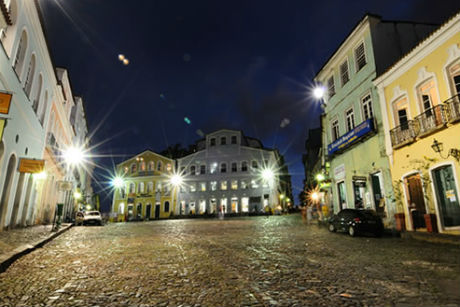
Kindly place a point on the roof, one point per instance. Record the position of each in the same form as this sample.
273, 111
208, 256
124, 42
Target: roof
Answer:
141, 153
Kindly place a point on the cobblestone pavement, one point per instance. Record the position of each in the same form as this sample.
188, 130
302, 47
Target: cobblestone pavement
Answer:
258, 261
11, 239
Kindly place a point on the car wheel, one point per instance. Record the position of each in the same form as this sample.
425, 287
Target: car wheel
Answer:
351, 231
332, 228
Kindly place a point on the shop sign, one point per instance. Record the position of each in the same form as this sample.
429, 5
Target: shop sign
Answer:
359, 178
351, 136
5, 101
31, 165
339, 172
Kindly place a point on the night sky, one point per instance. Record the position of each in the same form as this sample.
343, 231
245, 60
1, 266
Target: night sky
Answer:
243, 65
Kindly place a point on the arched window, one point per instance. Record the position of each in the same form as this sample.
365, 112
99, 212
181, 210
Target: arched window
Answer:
30, 76
151, 166
18, 63
159, 165
150, 187
121, 208
244, 166
133, 168
192, 170
132, 187
166, 206
142, 166
223, 167
38, 94
45, 106
140, 187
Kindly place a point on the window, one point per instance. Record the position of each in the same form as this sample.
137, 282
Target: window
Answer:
213, 185
360, 57
454, 72
401, 113
166, 206
254, 164
427, 96
192, 170
203, 186
233, 139
244, 166
29, 76
234, 184
125, 169
150, 187
203, 169
168, 167
335, 130
182, 170
38, 94
243, 184
402, 119
192, 187
123, 192
234, 167
142, 166
159, 166
212, 142
213, 168
223, 167
344, 72
140, 187
223, 185
350, 119
159, 187
245, 204
254, 184
20, 54
151, 166
132, 187
330, 86
133, 168
367, 107
223, 140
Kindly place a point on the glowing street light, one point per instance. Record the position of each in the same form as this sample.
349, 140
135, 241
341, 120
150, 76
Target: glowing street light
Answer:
268, 174
318, 92
281, 196
40, 176
118, 182
320, 177
74, 155
315, 196
77, 195
176, 180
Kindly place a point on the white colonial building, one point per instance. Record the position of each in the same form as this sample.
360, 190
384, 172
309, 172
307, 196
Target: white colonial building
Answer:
229, 172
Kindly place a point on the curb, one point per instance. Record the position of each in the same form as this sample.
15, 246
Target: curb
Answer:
7, 259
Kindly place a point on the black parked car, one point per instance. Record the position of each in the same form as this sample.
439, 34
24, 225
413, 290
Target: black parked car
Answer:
356, 221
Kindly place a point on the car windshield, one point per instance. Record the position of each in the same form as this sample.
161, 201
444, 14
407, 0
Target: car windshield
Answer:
92, 213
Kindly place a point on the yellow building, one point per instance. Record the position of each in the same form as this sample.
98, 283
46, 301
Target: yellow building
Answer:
144, 190
421, 111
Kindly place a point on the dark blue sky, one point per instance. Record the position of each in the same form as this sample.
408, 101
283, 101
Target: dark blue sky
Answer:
235, 64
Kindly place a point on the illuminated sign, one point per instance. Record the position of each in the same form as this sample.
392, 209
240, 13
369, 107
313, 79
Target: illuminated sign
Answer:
31, 165
351, 137
5, 101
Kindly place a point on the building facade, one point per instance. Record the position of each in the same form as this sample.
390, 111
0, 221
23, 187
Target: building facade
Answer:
146, 192
354, 141
421, 112
36, 124
230, 173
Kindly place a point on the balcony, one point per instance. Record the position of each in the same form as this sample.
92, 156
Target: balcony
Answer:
453, 109
404, 134
431, 120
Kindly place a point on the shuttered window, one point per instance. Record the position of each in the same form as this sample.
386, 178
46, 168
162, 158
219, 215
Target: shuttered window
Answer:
360, 57
344, 73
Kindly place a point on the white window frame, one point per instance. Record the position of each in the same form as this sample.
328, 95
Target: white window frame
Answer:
346, 118
368, 103
333, 121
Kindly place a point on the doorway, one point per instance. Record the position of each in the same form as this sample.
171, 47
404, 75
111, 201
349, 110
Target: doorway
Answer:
379, 201
148, 210
447, 196
7, 184
359, 188
416, 200
342, 195
157, 211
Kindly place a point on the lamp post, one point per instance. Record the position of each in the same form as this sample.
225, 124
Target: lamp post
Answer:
438, 147
176, 180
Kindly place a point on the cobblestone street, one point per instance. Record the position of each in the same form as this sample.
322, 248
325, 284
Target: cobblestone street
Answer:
259, 261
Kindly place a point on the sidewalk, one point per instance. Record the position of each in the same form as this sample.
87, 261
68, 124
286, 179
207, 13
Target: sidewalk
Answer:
18, 242
431, 237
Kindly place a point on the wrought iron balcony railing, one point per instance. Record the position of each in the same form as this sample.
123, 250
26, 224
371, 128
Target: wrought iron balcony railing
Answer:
404, 133
432, 119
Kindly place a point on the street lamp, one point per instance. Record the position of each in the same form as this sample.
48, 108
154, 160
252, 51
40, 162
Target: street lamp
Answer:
268, 174
318, 92
176, 180
74, 155
320, 177
118, 182
77, 195
438, 148
40, 176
